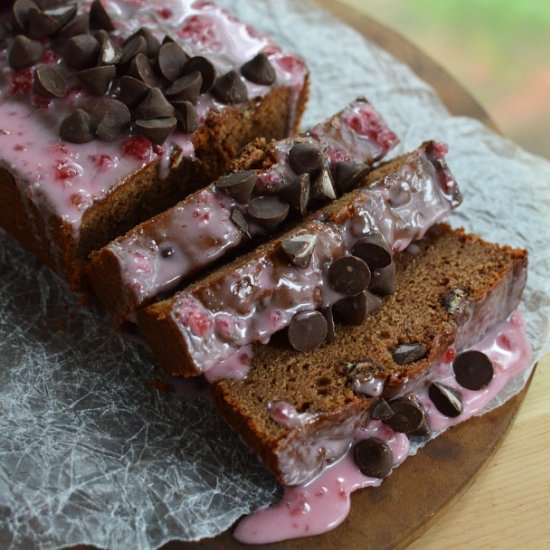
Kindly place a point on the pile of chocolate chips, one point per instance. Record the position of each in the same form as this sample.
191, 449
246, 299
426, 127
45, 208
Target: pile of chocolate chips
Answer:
143, 86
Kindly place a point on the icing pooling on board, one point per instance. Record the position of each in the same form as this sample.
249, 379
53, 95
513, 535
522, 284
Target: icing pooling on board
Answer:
199, 229
65, 178
323, 503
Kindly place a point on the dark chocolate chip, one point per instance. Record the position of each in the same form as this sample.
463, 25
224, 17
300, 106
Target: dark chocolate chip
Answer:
297, 193
77, 127
81, 51
41, 25
49, 81
140, 67
348, 175
167, 39
78, 25
132, 90
203, 66
237, 217
185, 88
230, 89
171, 60
187, 116
24, 52
423, 429
97, 80
404, 354
348, 275
322, 189
374, 250
109, 52
153, 44
133, 47
353, 310
259, 70
305, 157
20, 13
473, 369
373, 457
62, 12
456, 300
383, 280
99, 18
268, 210
113, 119
299, 249
154, 105
307, 330
238, 185
167, 251
156, 129
446, 400
381, 410
408, 416
331, 331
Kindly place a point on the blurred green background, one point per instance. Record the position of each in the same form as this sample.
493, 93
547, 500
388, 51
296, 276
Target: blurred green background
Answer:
498, 49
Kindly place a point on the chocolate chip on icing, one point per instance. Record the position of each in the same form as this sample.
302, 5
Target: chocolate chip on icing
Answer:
81, 51
185, 88
331, 331
205, 68
49, 81
348, 175
154, 105
109, 52
78, 25
237, 217
305, 157
373, 250
187, 116
41, 25
238, 185
299, 249
99, 18
404, 354
20, 13
24, 52
456, 300
373, 457
230, 89
62, 12
322, 189
473, 369
156, 129
77, 127
353, 310
297, 193
259, 70
171, 60
113, 119
307, 330
97, 79
446, 399
348, 275
153, 45
408, 416
383, 280
381, 410
167, 251
140, 67
132, 90
268, 210
133, 47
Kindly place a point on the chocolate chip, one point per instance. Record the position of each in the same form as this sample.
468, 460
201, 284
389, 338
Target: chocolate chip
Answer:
259, 70
41, 25
408, 416
171, 60
473, 369
63, 12
167, 39
353, 310
79, 25
187, 116
77, 127
307, 330
237, 217
348, 175
113, 119
203, 66
230, 89
133, 47
305, 157
24, 52
297, 193
99, 18
238, 185
348, 275
97, 80
185, 88
373, 457
381, 410
20, 13
109, 52
156, 129
383, 280
404, 354
322, 189
167, 251
456, 300
299, 249
132, 90
267, 210
154, 105
331, 331
140, 67
81, 51
153, 45
373, 250
446, 400
49, 81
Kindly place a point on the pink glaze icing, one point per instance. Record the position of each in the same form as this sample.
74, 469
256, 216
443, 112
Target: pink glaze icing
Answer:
235, 367
323, 503
66, 179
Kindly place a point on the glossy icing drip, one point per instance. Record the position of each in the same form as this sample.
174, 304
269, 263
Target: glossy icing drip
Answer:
323, 503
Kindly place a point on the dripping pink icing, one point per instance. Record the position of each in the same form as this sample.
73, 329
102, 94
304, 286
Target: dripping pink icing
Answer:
235, 367
323, 503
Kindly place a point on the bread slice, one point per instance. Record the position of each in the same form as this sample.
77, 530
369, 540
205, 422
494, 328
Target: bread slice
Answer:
157, 255
64, 197
258, 294
315, 391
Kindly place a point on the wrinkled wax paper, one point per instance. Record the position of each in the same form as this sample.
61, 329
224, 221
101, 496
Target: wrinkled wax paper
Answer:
89, 453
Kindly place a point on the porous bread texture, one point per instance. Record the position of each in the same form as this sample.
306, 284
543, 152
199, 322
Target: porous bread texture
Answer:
317, 382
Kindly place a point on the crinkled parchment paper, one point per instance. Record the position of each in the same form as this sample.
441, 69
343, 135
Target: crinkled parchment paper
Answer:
89, 453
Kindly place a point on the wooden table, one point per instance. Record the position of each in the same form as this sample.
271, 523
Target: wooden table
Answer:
509, 504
